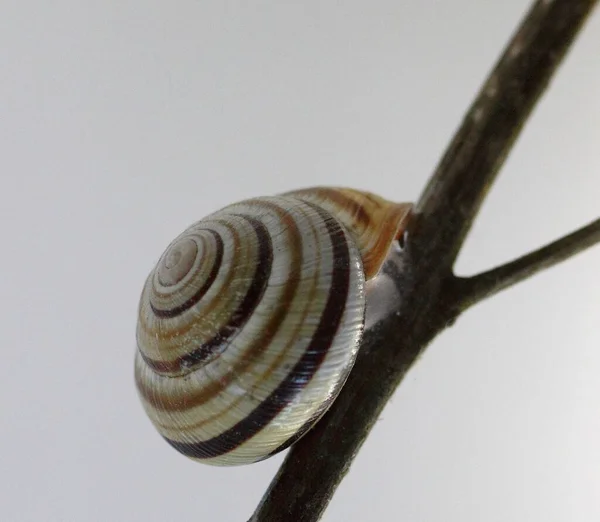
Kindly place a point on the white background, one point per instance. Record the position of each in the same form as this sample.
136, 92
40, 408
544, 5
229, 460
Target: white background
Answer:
123, 122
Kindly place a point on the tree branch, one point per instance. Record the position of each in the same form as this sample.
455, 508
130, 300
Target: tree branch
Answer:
469, 291
317, 463
463, 177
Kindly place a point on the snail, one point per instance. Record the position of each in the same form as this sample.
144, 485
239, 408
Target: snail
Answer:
250, 322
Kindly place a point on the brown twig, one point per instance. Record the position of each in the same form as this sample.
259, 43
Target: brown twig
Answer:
315, 465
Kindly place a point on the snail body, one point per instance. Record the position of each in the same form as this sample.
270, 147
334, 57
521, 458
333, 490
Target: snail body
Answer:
250, 322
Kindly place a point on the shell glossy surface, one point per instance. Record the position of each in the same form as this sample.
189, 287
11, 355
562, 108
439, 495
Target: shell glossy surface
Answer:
248, 327
250, 322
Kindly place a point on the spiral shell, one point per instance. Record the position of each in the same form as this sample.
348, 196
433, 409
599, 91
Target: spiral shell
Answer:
250, 322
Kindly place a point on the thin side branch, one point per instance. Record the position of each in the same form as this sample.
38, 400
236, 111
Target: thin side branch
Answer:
471, 290
316, 464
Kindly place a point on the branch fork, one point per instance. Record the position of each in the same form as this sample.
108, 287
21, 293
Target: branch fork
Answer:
432, 296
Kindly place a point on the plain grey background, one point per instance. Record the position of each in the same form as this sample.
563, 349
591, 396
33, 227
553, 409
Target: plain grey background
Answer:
123, 122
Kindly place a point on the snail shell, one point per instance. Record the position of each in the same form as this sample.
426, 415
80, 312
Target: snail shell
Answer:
250, 322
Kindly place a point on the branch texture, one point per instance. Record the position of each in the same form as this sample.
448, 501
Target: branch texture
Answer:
316, 464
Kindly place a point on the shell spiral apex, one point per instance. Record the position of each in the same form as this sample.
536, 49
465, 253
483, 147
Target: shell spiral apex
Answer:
250, 322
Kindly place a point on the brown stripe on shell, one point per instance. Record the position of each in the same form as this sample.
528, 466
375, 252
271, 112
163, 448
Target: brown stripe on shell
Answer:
336, 199
238, 318
304, 369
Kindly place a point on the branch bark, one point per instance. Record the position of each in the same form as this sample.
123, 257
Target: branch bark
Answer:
431, 296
